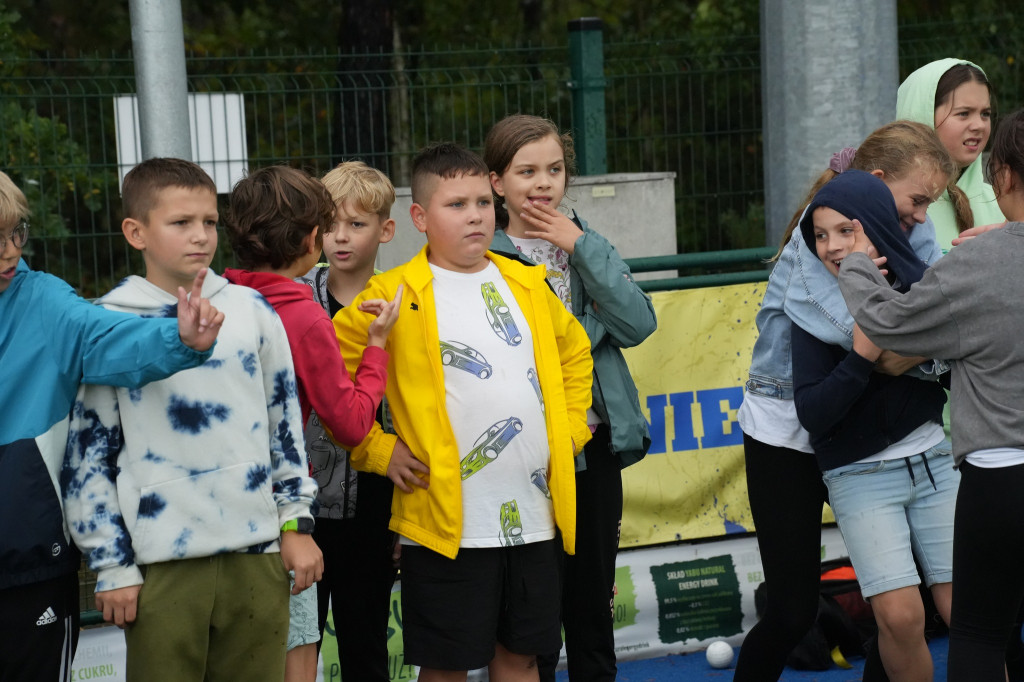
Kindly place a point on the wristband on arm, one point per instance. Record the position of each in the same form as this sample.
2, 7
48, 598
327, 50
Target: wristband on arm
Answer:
302, 526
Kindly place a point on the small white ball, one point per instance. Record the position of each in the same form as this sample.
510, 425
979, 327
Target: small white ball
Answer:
719, 654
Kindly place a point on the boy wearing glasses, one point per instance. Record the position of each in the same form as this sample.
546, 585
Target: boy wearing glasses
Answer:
51, 340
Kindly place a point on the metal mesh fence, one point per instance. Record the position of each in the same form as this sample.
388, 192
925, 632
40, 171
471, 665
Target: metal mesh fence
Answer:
693, 107
683, 105
994, 44
310, 111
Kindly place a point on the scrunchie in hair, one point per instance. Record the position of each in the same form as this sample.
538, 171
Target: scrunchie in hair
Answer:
842, 159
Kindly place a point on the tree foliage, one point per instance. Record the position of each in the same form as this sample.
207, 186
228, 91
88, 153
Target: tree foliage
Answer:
37, 151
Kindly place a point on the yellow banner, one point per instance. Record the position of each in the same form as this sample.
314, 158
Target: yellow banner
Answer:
690, 375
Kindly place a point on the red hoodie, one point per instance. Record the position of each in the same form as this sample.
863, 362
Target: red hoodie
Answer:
345, 409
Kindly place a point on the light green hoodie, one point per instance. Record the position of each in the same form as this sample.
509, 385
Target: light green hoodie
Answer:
915, 101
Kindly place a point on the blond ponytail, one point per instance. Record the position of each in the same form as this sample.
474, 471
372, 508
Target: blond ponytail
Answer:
961, 207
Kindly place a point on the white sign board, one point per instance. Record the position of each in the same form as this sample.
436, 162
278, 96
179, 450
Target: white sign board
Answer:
217, 125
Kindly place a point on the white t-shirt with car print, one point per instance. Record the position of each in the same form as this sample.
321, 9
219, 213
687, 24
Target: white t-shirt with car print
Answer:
496, 408
554, 259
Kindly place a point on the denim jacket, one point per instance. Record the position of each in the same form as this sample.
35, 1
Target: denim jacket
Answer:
801, 290
616, 314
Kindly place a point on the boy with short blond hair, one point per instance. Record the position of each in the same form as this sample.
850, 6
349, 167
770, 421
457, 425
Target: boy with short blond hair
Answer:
363, 198
275, 224
51, 340
354, 507
491, 381
362, 187
186, 494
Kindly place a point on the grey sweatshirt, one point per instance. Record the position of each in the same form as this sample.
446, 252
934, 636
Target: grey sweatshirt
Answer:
968, 308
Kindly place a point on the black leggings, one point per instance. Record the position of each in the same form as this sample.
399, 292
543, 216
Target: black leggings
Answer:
786, 495
358, 575
988, 570
589, 575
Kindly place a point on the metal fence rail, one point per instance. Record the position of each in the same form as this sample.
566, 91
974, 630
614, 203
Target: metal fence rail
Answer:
708, 260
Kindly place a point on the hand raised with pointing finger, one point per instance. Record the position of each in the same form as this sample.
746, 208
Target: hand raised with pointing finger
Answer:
198, 321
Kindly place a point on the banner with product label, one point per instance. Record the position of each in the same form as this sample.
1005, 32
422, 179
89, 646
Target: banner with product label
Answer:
679, 598
690, 375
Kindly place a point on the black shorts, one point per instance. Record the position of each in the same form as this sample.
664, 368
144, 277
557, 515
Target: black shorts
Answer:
455, 610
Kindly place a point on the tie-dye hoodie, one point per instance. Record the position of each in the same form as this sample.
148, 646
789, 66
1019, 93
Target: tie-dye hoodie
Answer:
210, 460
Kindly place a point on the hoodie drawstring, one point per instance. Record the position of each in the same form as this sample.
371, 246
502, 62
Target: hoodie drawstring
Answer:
928, 470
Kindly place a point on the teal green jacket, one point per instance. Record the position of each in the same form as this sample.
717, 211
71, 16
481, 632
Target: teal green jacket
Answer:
616, 314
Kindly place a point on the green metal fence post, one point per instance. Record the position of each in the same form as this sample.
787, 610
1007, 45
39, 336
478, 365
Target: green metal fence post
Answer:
586, 63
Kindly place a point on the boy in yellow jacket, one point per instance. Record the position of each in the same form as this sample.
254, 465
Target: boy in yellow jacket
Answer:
490, 383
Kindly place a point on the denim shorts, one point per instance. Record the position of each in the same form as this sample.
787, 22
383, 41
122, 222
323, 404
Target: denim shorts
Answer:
890, 511
303, 627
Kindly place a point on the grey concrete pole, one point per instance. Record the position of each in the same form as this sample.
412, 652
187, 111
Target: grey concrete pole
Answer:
829, 77
158, 43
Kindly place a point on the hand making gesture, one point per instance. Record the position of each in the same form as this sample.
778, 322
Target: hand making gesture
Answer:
198, 321
387, 315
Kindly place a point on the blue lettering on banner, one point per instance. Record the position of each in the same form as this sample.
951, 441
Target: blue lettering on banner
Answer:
715, 413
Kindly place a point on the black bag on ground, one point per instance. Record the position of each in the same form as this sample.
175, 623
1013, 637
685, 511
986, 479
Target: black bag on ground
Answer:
844, 621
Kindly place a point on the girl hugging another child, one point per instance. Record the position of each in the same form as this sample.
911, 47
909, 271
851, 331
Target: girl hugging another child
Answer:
913, 168
875, 436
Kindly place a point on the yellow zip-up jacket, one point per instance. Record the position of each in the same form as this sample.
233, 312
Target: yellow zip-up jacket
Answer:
416, 397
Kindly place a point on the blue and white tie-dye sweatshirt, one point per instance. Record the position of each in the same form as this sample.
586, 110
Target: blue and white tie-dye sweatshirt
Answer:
210, 460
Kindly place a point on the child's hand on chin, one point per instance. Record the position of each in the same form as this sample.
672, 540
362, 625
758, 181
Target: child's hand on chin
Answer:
547, 223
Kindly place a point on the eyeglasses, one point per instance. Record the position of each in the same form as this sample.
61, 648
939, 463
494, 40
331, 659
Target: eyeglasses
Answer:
19, 235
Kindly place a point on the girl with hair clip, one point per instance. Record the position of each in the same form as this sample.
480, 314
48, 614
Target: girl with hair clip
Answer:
875, 436
914, 165
968, 308
954, 97
530, 165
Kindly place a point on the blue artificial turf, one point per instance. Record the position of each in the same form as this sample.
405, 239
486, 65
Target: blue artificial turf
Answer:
695, 667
